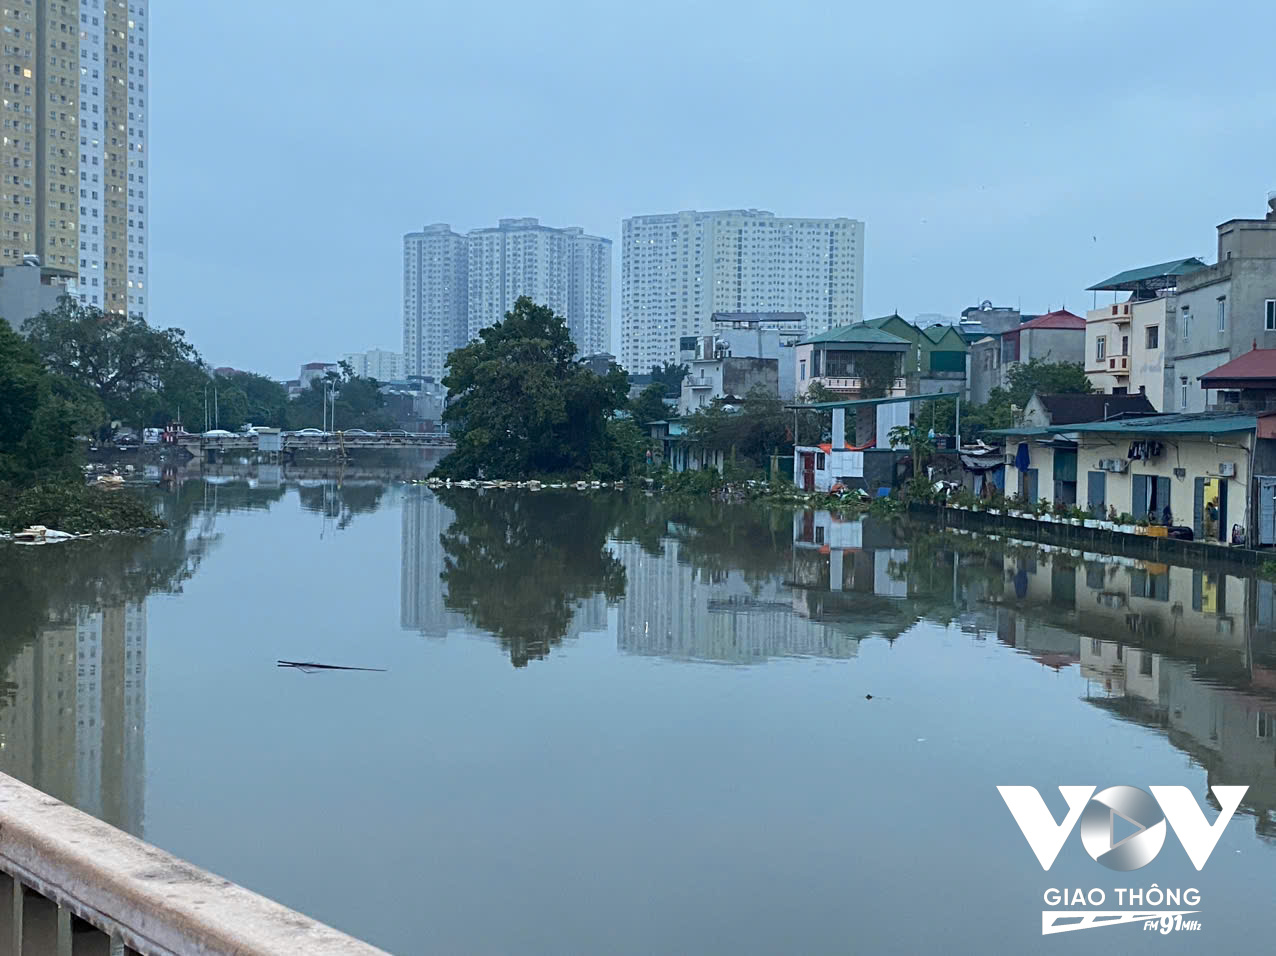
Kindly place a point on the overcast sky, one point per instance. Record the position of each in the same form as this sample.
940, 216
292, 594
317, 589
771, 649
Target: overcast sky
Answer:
1015, 151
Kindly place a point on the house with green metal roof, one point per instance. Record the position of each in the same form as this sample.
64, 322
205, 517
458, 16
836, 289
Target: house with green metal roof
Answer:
848, 359
936, 359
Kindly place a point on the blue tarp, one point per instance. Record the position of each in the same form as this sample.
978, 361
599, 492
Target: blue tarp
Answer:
1021, 457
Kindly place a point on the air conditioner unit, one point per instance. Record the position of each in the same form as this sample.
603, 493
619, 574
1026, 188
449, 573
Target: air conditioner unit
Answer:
1227, 469
1113, 464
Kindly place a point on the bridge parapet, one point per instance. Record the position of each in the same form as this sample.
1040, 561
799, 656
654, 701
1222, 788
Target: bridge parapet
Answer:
71, 884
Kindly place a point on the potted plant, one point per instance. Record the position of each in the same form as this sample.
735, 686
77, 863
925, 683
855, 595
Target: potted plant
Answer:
1043, 511
1125, 523
1088, 520
1141, 525
1076, 516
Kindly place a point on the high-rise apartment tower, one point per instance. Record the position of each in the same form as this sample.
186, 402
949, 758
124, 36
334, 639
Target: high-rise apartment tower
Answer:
73, 152
678, 269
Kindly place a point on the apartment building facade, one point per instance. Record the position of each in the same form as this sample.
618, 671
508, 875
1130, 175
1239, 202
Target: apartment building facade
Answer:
1222, 311
73, 188
678, 269
381, 364
456, 285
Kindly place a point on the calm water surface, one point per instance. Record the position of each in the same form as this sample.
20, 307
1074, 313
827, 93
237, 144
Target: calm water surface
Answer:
615, 724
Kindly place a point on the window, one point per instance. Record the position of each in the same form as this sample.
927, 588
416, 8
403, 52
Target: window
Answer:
803, 364
1100, 348
1187, 323
819, 461
1183, 393
1153, 333
1266, 726
1271, 315
1222, 313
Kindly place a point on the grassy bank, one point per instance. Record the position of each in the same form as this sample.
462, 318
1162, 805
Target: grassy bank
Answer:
72, 506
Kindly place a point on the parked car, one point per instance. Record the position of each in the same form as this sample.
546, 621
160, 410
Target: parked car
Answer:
395, 433
311, 433
357, 433
218, 433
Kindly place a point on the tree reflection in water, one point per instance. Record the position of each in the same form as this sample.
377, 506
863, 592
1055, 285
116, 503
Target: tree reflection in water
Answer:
518, 566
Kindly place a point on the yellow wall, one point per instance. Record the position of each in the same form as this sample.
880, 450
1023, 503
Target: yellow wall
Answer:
1198, 456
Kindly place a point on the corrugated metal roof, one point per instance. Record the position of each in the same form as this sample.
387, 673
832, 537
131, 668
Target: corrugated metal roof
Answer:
1205, 423
860, 334
1126, 281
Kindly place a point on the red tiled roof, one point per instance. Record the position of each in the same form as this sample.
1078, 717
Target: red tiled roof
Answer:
828, 446
1062, 319
1254, 364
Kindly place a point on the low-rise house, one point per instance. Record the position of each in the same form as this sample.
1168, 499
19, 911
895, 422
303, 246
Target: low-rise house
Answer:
837, 359
1069, 409
1195, 468
1054, 337
936, 358
1125, 345
681, 450
716, 374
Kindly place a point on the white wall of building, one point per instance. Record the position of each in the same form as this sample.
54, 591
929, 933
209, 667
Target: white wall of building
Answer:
677, 269
383, 365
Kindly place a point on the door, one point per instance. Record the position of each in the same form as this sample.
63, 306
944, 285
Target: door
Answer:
1266, 510
1209, 509
1028, 485
1097, 493
808, 471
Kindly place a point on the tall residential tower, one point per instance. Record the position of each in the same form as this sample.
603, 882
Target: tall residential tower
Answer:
454, 286
77, 70
678, 269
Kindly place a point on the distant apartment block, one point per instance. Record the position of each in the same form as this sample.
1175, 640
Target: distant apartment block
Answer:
678, 269
77, 71
563, 269
380, 364
435, 298
455, 285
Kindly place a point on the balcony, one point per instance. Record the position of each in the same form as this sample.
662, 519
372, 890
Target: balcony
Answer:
1118, 365
856, 384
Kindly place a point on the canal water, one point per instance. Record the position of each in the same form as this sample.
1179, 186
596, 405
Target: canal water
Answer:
613, 723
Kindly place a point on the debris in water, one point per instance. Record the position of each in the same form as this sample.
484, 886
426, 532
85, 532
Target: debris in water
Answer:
310, 667
868, 696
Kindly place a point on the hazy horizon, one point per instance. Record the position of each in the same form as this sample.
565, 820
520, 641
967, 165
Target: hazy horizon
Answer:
1000, 153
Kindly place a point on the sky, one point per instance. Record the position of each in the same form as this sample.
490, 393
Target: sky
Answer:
1013, 151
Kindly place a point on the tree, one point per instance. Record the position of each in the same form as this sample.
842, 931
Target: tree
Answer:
520, 404
877, 372
753, 432
670, 376
358, 403
1048, 378
37, 427
116, 356
649, 406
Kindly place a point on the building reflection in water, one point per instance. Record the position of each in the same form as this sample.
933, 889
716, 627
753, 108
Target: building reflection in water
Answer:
73, 720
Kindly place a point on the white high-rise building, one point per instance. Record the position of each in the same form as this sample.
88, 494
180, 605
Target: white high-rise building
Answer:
435, 297
678, 269
563, 269
380, 364
454, 286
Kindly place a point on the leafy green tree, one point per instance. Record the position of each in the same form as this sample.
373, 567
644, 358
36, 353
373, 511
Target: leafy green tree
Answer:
521, 405
1048, 378
670, 376
649, 405
748, 434
116, 356
37, 428
358, 403
877, 372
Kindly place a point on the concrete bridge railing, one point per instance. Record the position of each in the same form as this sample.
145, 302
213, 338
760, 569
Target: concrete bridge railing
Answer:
71, 885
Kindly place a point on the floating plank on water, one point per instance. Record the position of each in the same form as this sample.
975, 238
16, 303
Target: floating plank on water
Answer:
312, 666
